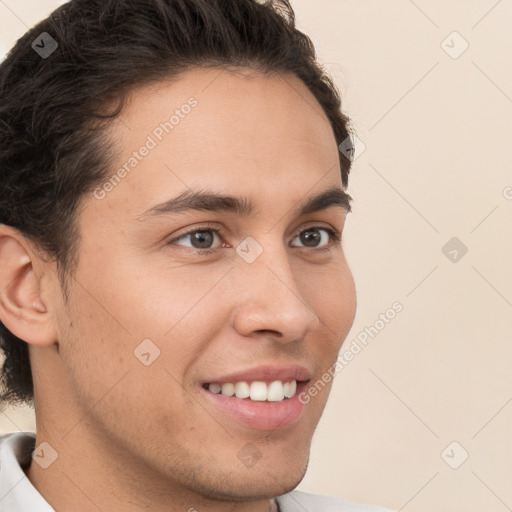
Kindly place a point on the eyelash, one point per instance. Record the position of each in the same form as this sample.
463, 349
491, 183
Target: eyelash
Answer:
334, 235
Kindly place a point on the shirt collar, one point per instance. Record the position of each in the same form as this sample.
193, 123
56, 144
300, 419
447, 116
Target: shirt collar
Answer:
17, 494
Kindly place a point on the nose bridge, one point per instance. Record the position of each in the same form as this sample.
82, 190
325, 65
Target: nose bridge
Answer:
271, 299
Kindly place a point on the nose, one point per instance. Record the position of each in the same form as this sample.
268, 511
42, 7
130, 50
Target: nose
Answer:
269, 300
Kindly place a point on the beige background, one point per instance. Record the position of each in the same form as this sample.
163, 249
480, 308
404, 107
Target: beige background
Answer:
437, 165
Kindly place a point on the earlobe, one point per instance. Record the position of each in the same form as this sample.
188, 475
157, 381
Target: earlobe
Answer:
22, 309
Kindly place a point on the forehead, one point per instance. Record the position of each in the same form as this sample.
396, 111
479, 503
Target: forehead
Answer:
240, 110
241, 131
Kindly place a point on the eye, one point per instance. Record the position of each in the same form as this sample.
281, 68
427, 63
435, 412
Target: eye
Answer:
202, 238
318, 237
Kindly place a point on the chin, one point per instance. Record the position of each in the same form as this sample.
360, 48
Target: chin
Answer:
265, 480
253, 489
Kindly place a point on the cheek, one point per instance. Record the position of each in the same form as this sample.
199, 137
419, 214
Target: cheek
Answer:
155, 301
102, 369
333, 297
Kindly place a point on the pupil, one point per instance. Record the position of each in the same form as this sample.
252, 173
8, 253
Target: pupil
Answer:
309, 236
204, 238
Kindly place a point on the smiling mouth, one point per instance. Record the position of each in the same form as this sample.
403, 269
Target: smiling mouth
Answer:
256, 391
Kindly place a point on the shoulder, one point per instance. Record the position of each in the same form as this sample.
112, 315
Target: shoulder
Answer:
298, 501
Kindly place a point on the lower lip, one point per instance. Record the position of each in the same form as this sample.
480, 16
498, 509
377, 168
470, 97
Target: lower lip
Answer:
260, 415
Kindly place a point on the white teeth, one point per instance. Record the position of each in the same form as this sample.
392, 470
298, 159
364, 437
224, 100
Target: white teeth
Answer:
290, 388
215, 388
258, 391
242, 390
275, 391
228, 389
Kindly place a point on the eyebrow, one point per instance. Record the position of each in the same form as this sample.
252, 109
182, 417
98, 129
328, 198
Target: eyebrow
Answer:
209, 201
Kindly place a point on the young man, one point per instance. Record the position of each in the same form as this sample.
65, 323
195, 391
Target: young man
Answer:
172, 279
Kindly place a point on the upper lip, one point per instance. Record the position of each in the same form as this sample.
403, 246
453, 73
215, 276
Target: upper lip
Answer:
265, 373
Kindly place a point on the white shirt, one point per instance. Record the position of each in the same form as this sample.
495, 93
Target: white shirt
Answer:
17, 494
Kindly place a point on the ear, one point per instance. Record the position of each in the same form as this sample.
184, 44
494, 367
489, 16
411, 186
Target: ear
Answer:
22, 308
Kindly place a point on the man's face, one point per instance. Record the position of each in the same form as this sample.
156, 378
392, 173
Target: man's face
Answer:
239, 312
